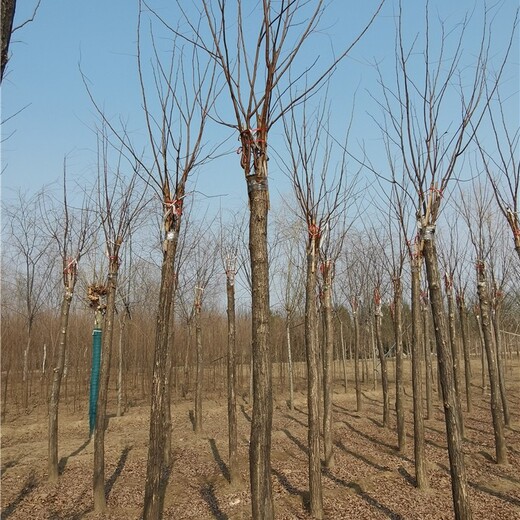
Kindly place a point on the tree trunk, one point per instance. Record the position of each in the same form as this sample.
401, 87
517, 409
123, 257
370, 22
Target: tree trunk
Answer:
429, 364
455, 351
313, 391
26, 374
8, 11
382, 361
262, 415
399, 382
465, 348
421, 478
101, 419
494, 385
461, 502
500, 361
357, 381
157, 468
119, 388
54, 399
289, 359
482, 354
199, 369
343, 356
232, 379
328, 364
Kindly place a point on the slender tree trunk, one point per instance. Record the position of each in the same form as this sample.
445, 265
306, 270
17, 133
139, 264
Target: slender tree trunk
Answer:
262, 415
429, 364
8, 11
421, 477
465, 347
382, 361
313, 388
232, 378
26, 374
119, 388
399, 382
199, 368
104, 377
500, 361
357, 382
459, 488
157, 468
374, 357
328, 364
455, 350
343, 356
289, 359
482, 354
186, 381
54, 399
494, 384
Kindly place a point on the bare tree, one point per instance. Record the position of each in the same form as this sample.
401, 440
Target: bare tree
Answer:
430, 149
72, 231
119, 204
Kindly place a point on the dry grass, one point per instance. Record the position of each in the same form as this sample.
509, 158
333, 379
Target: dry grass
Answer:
370, 479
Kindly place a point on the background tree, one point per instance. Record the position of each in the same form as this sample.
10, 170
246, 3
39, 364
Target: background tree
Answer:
72, 231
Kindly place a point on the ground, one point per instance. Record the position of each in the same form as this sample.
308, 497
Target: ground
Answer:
370, 479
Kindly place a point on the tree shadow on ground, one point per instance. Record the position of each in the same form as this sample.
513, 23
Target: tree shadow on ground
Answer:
409, 478
287, 416
30, 484
296, 441
191, 415
284, 481
362, 458
371, 501
218, 459
8, 465
207, 492
63, 461
117, 472
369, 437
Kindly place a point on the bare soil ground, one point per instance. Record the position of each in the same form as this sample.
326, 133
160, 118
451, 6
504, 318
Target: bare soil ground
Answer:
370, 480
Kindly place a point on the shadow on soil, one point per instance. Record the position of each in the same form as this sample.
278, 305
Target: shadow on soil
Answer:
29, 486
63, 461
218, 459
207, 492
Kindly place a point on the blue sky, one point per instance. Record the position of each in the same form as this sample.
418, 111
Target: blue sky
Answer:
59, 119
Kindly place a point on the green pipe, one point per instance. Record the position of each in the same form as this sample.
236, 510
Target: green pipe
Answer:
94, 377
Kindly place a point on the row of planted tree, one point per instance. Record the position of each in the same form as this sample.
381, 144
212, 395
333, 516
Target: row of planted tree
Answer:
353, 269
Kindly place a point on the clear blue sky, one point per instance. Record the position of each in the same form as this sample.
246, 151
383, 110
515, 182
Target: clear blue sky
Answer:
58, 118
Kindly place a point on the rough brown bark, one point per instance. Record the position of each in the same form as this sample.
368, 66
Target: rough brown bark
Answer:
399, 382
157, 468
378, 315
104, 377
54, 398
199, 364
289, 362
8, 11
421, 478
231, 375
357, 381
313, 390
494, 385
463, 317
328, 363
461, 504
500, 358
262, 414
455, 351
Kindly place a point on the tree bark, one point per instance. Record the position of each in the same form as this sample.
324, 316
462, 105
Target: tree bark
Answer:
463, 316
289, 362
54, 399
461, 503
232, 379
8, 11
494, 384
104, 377
313, 390
429, 364
399, 382
357, 381
328, 364
199, 368
382, 361
157, 468
421, 478
262, 415
500, 358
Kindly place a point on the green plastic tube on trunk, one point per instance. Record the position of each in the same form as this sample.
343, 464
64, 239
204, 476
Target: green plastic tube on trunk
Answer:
94, 377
